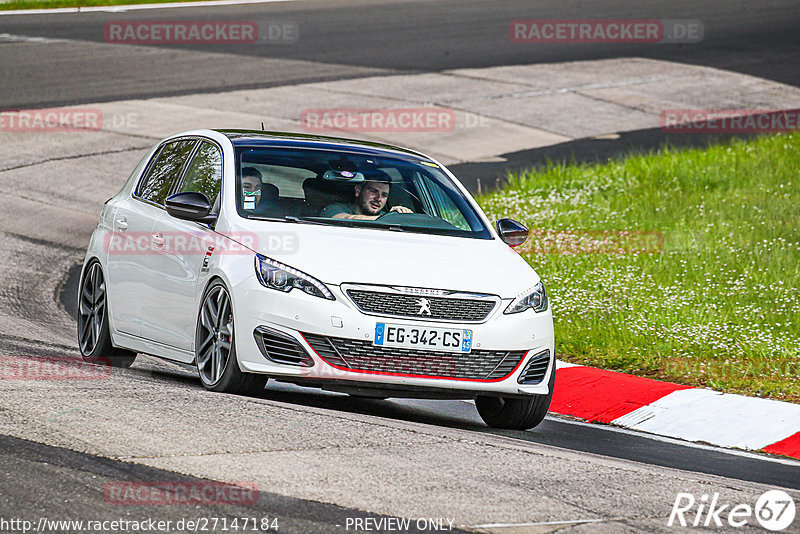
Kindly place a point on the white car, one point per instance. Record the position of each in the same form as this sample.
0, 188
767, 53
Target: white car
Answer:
346, 265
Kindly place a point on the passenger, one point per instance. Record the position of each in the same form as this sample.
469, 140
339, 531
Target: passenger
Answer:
251, 187
370, 199
259, 197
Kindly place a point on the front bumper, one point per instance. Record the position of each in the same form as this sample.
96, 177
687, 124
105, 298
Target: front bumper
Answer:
310, 321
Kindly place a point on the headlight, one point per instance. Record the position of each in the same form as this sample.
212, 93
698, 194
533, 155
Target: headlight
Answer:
275, 275
535, 298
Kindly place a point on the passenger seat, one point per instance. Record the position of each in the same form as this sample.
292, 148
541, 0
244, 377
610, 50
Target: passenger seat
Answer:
320, 193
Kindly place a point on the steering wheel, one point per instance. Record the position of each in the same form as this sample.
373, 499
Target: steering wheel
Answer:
390, 215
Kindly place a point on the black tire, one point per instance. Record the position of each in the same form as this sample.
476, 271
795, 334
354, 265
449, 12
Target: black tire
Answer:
515, 413
215, 346
94, 338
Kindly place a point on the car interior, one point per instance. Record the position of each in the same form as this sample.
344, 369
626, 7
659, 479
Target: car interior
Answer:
316, 194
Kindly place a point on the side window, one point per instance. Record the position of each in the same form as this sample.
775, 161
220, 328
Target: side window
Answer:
444, 205
205, 172
399, 194
165, 170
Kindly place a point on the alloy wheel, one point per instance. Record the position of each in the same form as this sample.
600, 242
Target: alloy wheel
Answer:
216, 335
91, 309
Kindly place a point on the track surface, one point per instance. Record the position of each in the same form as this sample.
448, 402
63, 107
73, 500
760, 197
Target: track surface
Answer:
75, 481
345, 38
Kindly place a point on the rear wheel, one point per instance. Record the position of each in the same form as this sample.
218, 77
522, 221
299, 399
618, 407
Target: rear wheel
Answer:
215, 346
94, 338
513, 412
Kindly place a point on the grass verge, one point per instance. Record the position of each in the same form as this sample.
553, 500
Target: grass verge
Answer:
47, 4
682, 265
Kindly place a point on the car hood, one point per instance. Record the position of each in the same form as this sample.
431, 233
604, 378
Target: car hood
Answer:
337, 255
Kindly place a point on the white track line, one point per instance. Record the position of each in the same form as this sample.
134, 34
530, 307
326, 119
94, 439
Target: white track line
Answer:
136, 7
11, 38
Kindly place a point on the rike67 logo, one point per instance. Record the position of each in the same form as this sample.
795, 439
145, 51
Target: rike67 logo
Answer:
774, 511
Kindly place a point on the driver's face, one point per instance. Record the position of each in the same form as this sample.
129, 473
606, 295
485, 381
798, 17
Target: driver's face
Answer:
371, 197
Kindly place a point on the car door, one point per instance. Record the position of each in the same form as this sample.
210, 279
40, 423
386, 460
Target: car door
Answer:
186, 243
120, 273
131, 249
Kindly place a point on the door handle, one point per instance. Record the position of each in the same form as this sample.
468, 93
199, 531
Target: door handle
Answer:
122, 224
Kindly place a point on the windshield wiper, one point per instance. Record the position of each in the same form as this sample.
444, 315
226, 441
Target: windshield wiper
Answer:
353, 223
288, 218
304, 220
259, 218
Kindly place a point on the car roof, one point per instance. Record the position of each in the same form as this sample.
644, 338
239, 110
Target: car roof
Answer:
297, 140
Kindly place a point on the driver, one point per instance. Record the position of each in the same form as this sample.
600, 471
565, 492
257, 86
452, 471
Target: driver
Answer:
370, 199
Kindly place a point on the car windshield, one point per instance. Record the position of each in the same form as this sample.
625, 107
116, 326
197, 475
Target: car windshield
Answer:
346, 188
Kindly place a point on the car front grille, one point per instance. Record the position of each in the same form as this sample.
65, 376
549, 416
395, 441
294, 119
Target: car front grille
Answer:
536, 369
400, 305
358, 355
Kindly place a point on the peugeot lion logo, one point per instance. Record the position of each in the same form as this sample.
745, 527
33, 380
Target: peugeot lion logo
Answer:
424, 306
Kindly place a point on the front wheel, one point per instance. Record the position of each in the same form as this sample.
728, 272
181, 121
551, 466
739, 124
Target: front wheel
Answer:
215, 346
94, 338
516, 413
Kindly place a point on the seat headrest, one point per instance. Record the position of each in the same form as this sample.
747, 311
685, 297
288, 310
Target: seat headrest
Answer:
269, 192
320, 193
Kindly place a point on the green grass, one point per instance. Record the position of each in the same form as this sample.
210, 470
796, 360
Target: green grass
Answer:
716, 304
46, 4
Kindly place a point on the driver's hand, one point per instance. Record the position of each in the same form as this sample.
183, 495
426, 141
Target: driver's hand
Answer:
400, 209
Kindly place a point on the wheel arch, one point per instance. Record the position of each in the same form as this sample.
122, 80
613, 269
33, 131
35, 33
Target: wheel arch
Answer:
211, 279
88, 260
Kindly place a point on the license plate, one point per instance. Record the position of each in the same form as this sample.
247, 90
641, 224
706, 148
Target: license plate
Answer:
415, 337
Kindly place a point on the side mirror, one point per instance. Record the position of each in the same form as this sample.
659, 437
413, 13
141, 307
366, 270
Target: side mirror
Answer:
512, 232
191, 206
